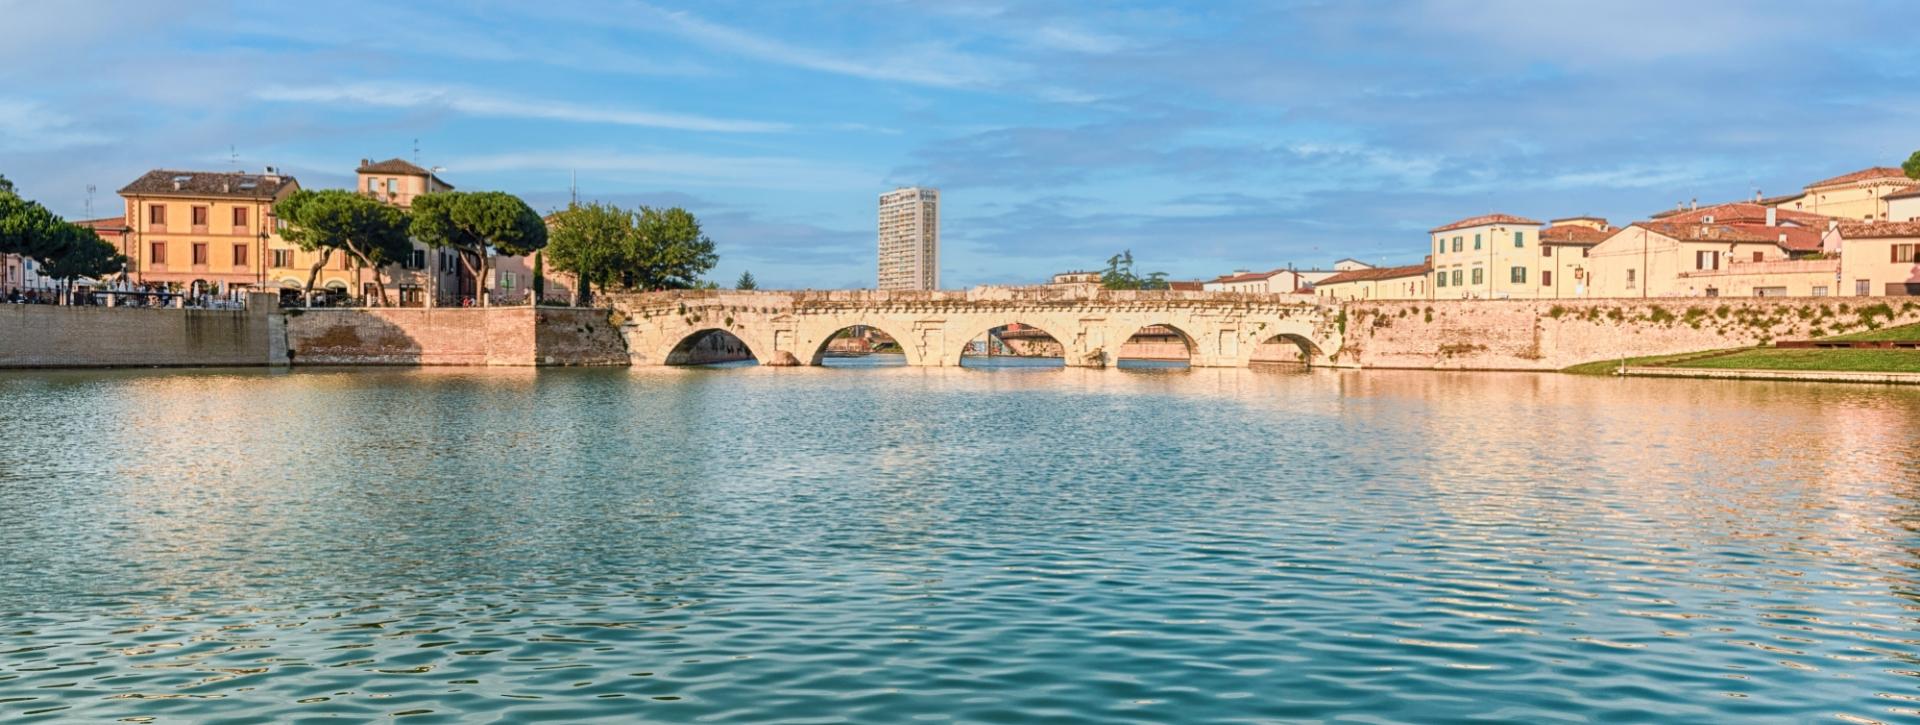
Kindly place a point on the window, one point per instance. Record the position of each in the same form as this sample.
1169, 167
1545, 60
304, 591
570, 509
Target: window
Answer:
1440, 278
199, 252
1706, 260
1442, 246
373, 185
156, 214
1630, 278
239, 255
1546, 278
240, 216
1476, 241
1546, 251
157, 254
1903, 253
1759, 256
418, 260
1456, 278
1519, 240
1479, 275
282, 258
1584, 251
390, 187
1456, 244
1862, 288
506, 279
1517, 275
1820, 290
200, 216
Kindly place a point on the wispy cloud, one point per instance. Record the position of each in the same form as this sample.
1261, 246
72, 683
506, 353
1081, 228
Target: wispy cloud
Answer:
924, 64
32, 126
756, 172
480, 103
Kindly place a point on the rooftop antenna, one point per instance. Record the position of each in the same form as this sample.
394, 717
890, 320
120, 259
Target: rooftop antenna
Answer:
573, 187
90, 190
416, 151
233, 157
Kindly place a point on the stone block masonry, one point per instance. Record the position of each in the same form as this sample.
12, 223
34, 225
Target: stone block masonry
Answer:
1554, 334
47, 336
503, 336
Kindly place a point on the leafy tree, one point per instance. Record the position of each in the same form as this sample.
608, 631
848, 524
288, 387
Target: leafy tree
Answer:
5, 185
591, 241
1912, 166
371, 234
81, 253
670, 251
746, 282
471, 223
1120, 275
539, 279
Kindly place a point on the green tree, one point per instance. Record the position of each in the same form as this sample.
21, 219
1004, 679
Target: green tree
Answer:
592, 241
5, 185
669, 251
1120, 275
372, 234
540, 277
1912, 166
746, 282
81, 253
473, 223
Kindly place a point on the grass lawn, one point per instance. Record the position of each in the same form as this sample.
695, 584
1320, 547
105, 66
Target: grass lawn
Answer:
1903, 332
1606, 367
1878, 361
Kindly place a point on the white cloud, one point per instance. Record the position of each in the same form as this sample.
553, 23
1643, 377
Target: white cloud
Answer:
930, 65
479, 103
761, 172
32, 126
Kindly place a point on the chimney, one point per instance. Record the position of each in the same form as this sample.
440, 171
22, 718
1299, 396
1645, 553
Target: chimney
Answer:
1695, 204
226, 187
1756, 196
364, 162
1773, 217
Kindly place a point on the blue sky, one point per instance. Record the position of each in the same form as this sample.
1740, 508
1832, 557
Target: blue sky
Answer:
1204, 136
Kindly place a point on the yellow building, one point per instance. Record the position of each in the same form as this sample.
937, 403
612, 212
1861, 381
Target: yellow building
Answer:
1377, 283
398, 182
1860, 195
1903, 206
1564, 247
200, 229
1816, 277
1496, 256
1648, 259
1880, 259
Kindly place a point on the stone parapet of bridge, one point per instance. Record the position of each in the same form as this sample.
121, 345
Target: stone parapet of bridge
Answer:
934, 327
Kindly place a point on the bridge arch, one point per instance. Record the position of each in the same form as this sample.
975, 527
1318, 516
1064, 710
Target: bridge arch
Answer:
1273, 349
687, 348
1149, 342
817, 345
957, 349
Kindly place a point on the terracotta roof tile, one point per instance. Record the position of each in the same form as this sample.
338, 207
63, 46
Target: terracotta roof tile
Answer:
222, 184
1743, 212
1796, 239
1574, 234
398, 166
1879, 230
1377, 273
1877, 172
1906, 193
1484, 220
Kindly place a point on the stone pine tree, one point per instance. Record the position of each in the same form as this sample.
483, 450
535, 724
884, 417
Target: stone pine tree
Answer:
475, 224
591, 241
78, 252
746, 281
1912, 166
370, 233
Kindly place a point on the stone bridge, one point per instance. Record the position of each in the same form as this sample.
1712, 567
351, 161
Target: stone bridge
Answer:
934, 328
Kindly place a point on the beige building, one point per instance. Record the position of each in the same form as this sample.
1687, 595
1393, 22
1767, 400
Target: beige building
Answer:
1816, 277
1274, 282
910, 239
199, 230
1564, 247
1861, 195
1648, 259
1495, 256
1880, 259
1377, 283
1903, 206
428, 271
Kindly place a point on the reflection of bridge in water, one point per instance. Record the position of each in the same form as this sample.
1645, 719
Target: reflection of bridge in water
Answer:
1092, 327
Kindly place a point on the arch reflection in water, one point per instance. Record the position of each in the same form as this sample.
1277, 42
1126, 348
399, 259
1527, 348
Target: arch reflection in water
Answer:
1014, 346
1285, 349
1156, 347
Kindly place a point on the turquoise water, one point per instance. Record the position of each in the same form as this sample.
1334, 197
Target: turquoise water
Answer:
890, 544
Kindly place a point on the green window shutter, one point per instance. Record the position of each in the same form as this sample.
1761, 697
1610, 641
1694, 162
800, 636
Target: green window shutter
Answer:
1519, 239
1479, 275
1476, 241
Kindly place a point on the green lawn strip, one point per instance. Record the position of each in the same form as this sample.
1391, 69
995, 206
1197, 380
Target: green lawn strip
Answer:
1903, 332
1877, 361
1606, 367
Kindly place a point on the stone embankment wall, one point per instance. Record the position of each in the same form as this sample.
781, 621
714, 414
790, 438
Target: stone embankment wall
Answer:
1553, 334
47, 336
507, 336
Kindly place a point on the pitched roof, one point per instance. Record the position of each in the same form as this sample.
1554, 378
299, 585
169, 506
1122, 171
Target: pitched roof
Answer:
1906, 193
1742, 212
1793, 239
1877, 172
1245, 277
1573, 234
1879, 230
1600, 219
1376, 274
1179, 286
1484, 220
220, 184
112, 223
398, 166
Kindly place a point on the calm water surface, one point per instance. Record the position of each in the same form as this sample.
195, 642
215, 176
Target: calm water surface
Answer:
887, 544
